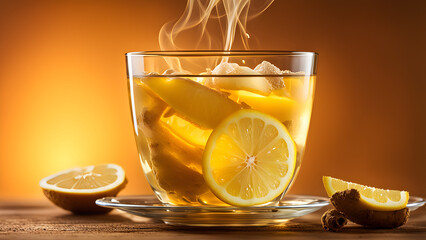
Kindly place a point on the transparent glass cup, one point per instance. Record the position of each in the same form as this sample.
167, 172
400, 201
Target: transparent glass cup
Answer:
171, 146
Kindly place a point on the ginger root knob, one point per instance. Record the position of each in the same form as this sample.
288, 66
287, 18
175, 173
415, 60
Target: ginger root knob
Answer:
348, 202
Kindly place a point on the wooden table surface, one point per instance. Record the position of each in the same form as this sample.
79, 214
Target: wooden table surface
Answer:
41, 220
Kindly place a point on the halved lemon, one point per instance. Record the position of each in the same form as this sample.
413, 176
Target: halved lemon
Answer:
375, 198
249, 159
77, 189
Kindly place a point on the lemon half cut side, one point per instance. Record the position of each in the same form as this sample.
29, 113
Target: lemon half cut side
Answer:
77, 189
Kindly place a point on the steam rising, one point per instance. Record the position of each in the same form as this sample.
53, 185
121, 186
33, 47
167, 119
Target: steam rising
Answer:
228, 15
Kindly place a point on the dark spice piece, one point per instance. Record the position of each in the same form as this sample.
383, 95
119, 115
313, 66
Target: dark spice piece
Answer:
333, 220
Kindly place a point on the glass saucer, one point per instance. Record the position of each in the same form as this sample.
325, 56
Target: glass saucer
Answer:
291, 206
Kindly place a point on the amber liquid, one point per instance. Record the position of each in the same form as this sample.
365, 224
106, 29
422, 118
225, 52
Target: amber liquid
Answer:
171, 148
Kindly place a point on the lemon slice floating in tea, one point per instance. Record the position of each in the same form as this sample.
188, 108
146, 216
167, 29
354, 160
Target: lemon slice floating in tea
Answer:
195, 102
272, 105
375, 198
77, 189
249, 159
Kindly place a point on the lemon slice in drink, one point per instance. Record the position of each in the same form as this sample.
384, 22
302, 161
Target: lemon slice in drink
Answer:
272, 105
77, 189
193, 101
187, 131
249, 159
375, 198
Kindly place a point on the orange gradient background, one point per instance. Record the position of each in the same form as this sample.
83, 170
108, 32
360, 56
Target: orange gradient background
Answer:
64, 103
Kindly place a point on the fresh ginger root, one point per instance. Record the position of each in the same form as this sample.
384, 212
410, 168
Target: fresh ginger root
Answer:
348, 202
333, 220
175, 164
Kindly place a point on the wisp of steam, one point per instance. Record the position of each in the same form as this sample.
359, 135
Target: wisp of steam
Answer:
226, 15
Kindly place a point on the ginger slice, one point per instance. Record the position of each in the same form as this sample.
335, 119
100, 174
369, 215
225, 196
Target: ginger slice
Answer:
348, 202
244, 78
175, 164
267, 68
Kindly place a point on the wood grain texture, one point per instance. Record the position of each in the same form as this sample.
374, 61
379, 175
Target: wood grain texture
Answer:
41, 220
